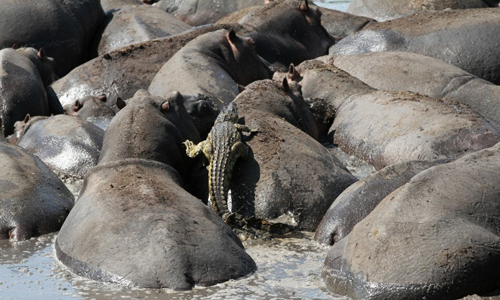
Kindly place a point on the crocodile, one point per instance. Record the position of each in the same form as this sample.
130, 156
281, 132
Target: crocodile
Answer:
222, 148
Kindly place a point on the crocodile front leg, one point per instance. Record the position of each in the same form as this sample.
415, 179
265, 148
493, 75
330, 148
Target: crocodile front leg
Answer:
193, 150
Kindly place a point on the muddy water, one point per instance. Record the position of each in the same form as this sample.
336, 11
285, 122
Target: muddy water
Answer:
288, 268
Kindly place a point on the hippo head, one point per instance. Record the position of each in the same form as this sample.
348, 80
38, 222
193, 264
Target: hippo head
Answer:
20, 127
202, 111
43, 63
245, 65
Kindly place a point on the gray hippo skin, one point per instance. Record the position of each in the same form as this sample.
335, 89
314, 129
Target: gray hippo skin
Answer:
289, 178
200, 12
121, 73
135, 24
383, 10
117, 4
387, 127
213, 64
24, 73
404, 71
287, 32
68, 145
63, 28
465, 38
33, 201
359, 199
134, 222
436, 237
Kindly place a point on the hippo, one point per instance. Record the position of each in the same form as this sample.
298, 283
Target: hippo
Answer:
121, 73
436, 237
405, 71
200, 12
383, 10
108, 5
68, 145
287, 32
134, 212
24, 74
63, 28
289, 179
134, 24
388, 127
94, 110
213, 64
33, 201
464, 38
359, 199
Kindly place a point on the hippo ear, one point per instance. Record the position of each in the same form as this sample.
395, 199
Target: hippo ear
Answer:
241, 88
75, 108
165, 106
41, 54
268, 1
102, 97
304, 6
15, 46
27, 118
231, 37
284, 85
293, 74
120, 103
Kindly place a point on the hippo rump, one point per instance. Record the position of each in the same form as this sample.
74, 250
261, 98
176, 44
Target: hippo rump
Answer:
405, 71
287, 32
135, 24
383, 10
359, 199
289, 178
388, 127
200, 12
465, 38
68, 145
121, 73
134, 223
436, 237
213, 64
24, 74
63, 28
33, 201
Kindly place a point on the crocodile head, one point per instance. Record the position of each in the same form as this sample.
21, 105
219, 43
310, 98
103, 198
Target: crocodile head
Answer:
228, 114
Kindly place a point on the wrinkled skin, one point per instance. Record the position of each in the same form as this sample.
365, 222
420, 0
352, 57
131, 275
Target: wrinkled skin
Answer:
383, 10
213, 64
134, 209
387, 127
403, 71
287, 32
289, 178
93, 110
23, 76
33, 201
359, 199
121, 73
436, 237
129, 25
465, 38
152, 128
68, 145
63, 28
200, 12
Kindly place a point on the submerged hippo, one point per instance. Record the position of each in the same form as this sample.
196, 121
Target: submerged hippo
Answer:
134, 212
33, 201
465, 38
70, 146
24, 74
213, 64
436, 237
63, 28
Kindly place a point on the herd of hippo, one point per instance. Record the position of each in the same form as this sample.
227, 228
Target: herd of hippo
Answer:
114, 92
